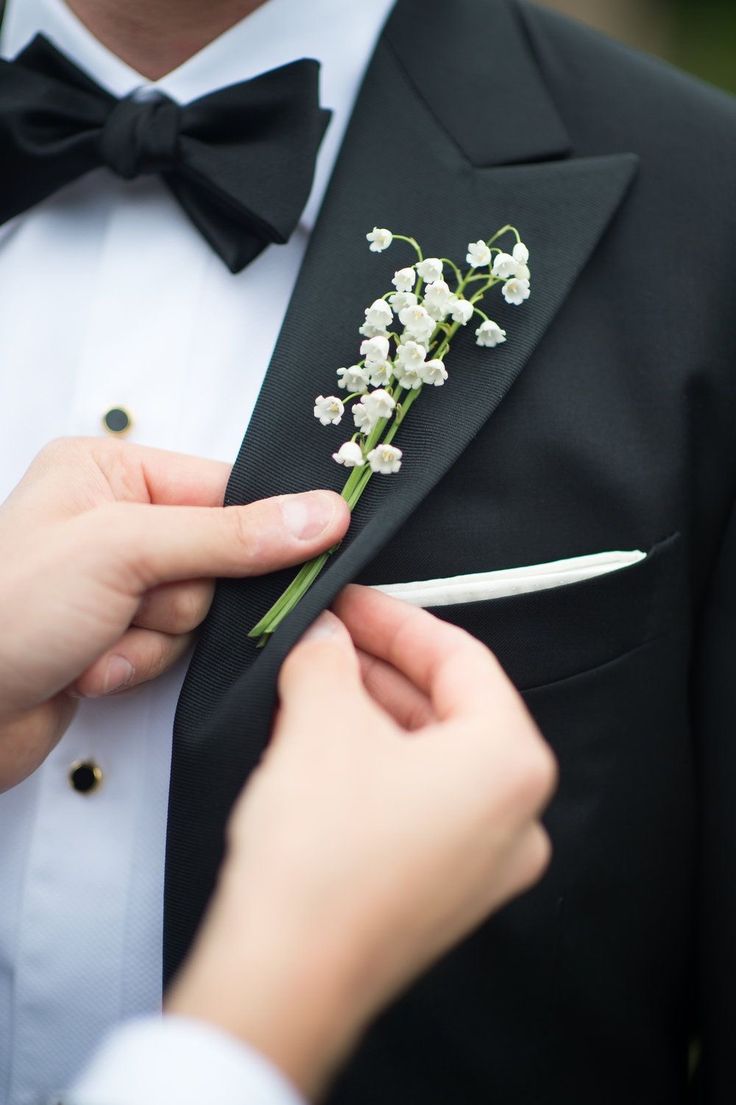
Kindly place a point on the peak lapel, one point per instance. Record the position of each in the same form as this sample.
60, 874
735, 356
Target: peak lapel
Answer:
402, 165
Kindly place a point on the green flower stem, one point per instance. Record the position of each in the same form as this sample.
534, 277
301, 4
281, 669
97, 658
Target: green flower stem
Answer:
490, 281
365, 478
412, 242
406, 406
444, 345
293, 594
455, 269
508, 229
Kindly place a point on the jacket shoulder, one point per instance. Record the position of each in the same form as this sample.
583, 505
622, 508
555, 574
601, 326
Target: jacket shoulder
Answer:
624, 92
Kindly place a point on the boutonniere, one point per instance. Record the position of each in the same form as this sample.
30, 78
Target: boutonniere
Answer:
407, 336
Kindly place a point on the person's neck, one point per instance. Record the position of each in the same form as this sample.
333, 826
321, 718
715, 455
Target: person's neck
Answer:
156, 36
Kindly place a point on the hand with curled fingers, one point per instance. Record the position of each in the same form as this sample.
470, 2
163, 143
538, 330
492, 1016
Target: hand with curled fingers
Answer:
108, 552
397, 806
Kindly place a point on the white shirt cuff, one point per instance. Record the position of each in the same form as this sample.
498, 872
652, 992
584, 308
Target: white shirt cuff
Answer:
174, 1060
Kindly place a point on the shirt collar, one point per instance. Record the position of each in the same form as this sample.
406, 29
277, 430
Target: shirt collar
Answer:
340, 35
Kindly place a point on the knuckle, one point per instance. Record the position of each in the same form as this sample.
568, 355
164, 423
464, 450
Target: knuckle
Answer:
60, 452
159, 654
533, 776
418, 716
536, 857
64, 446
460, 638
496, 671
187, 608
58, 447
66, 450
542, 771
291, 667
478, 650
305, 657
313, 663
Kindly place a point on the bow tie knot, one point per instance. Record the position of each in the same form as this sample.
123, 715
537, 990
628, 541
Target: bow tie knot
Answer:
239, 161
141, 136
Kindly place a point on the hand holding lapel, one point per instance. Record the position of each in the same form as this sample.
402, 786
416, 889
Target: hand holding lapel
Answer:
469, 147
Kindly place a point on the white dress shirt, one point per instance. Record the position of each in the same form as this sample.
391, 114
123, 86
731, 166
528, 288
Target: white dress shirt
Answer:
173, 1061
110, 298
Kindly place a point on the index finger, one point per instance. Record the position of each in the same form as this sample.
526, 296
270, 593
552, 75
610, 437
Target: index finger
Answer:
178, 479
71, 475
459, 675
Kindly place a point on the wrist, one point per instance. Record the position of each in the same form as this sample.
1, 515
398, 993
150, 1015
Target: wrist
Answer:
275, 986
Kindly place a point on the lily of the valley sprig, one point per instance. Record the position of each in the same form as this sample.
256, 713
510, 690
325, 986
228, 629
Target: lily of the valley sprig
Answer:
407, 335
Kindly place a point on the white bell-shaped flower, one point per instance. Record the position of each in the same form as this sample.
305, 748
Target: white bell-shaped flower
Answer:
404, 280
460, 310
381, 374
430, 269
329, 410
490, 334
354, 379
411, 355
400, 300
385, 459
375, 349
350, 455
479, 255
437, 299
379, 404
516, 291
504, 266
380, 239
433, 373
418, 323
379, 314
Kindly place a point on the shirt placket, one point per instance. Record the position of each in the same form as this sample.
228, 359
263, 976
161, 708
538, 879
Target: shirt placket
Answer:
80, 898
138, 336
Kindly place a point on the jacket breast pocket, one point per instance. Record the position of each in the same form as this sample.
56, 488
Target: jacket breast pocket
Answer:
548, 635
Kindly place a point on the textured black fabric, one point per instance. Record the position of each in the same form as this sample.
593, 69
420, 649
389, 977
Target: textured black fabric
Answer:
240, 161
605, 422
715, 707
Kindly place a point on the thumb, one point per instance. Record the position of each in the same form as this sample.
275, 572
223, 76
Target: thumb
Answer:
320, 679
161, 544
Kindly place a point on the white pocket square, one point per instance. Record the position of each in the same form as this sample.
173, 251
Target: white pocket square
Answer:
511, 581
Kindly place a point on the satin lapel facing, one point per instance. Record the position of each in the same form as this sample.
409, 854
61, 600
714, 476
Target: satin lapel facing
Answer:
399, 168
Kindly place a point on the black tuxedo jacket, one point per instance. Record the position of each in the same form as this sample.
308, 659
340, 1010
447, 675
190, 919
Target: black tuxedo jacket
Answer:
606, 422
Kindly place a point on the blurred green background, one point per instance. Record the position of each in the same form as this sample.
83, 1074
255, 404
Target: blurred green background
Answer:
697, 35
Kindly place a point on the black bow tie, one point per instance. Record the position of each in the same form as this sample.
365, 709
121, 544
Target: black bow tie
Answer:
239, 161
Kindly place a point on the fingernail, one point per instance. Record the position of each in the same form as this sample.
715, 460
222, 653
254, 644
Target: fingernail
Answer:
307, 516
327, 625
119, 673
